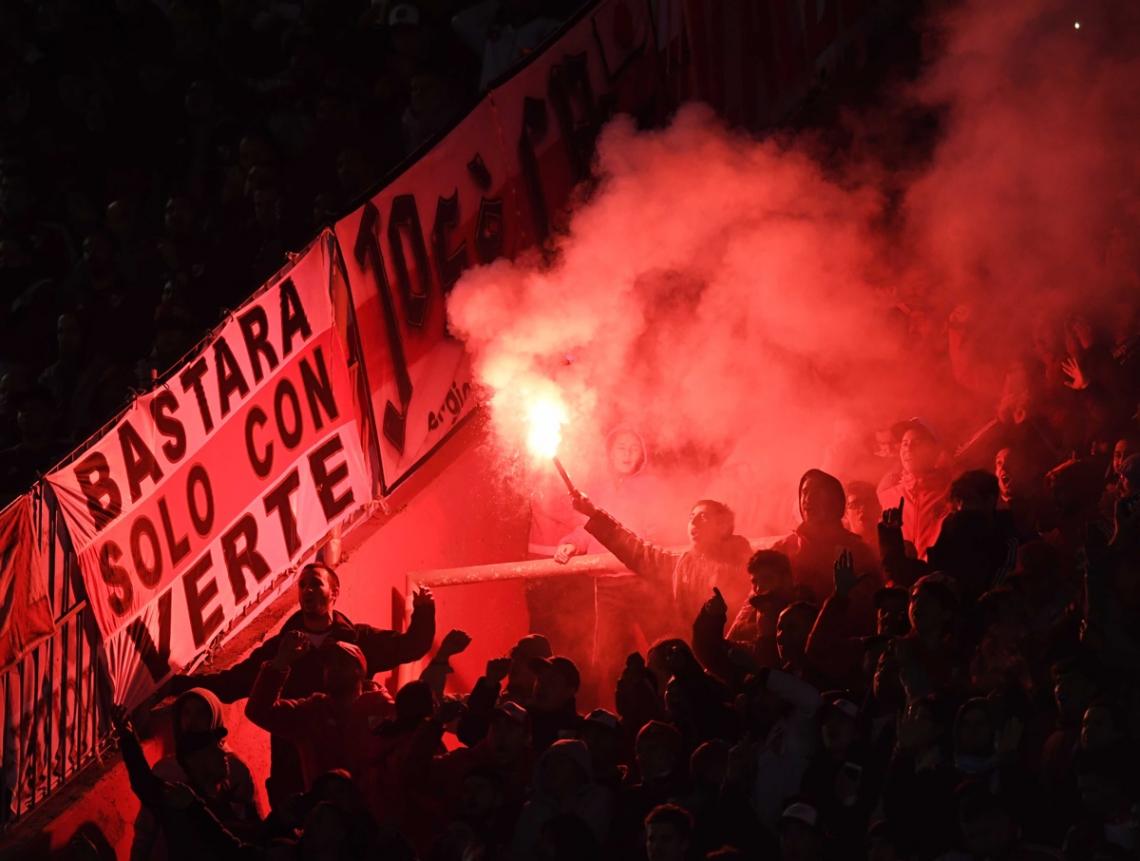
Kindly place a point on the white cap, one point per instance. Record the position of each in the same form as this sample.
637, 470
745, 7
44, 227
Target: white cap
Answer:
802, 812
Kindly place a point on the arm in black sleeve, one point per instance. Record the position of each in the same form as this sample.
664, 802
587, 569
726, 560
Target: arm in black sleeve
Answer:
476, 720
215, 838
636, 554
899, 568
146, 787
233, 683
711, 648
385, 650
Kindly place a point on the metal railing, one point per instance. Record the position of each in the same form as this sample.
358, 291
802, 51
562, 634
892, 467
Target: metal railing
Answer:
54, 723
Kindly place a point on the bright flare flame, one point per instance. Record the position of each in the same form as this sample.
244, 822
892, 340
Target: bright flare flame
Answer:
545, 418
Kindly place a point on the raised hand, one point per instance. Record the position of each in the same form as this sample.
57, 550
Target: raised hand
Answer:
716, 605
454, 642
120, 721
845, 577
565, 553
893, 517
498, 669
293, 644
422, 597
582, 504
1072, 369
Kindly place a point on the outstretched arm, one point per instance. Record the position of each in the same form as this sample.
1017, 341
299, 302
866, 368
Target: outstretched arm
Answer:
385, 650
638, 555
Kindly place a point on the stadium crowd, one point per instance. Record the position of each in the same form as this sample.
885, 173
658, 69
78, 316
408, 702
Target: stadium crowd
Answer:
942, 665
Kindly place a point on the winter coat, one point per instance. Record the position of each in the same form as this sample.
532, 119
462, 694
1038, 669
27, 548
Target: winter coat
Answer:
190, 833
384, 650
688, 576
236, 807
814, 547
927, 502
972, 548
326, 733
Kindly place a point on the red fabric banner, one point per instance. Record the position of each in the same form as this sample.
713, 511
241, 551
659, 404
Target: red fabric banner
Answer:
210, 486
403, 251
25, 611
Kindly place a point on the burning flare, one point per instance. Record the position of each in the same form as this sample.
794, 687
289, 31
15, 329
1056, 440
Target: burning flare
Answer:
545, 418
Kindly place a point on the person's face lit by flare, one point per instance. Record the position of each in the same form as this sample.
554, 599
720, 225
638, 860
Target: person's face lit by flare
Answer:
820, 503
862, 514
917, 452
316, 592
626, 453
707, 526
1010, 472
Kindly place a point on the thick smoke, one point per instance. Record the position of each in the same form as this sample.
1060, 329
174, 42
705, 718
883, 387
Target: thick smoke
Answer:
754, 313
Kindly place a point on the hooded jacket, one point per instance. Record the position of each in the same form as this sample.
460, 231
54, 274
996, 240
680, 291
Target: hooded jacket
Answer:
814, 547
592, 803
233, 808
689, 576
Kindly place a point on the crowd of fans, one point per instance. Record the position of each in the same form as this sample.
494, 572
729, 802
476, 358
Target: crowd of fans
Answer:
942, 665
158, 158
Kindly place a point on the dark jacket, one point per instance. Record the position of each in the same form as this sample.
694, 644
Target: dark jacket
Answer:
191, 832
972, 548
813, 547
384, 650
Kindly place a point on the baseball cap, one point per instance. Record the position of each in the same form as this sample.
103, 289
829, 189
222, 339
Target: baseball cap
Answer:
604, 718
532, 646
404, 15
559, 664
899, 429
802, 812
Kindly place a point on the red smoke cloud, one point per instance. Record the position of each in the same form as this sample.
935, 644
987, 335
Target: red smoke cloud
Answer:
754, 314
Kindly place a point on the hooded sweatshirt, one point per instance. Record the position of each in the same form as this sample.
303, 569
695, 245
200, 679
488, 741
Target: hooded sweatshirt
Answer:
814, 547
591, 802
234, 807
